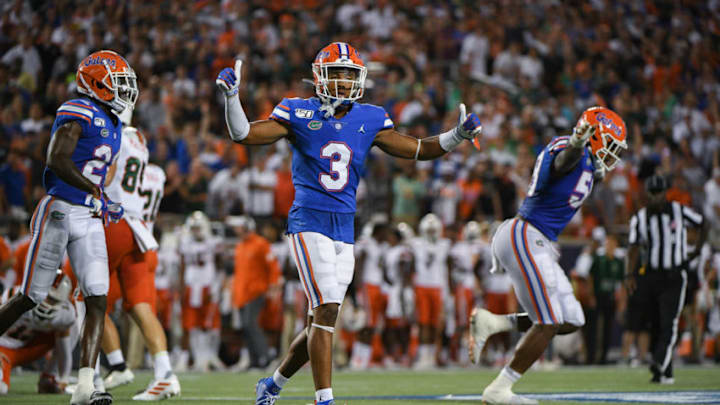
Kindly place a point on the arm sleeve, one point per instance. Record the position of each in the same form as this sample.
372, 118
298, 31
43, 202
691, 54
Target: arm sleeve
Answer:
237, 122
63, 355
75, 111
281, 112
387, 121
692, 216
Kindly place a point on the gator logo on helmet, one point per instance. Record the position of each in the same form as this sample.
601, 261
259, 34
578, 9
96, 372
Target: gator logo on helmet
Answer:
99, 60
607, 122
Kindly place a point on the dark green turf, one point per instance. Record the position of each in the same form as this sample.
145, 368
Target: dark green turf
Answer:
238, 388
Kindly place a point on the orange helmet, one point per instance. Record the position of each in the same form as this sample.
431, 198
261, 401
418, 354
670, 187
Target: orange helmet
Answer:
610, 135
108, 78
339, 55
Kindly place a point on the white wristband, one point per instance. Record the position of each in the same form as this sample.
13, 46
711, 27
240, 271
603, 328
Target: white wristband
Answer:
450, 140
237, 122
417, 151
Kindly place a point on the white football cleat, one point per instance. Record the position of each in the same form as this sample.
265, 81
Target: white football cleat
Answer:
3, 388
97, 382
160, 389
118, 378
88, 395
484, 324
496, 396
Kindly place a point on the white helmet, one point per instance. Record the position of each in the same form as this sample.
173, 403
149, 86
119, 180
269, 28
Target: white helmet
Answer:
471, 231
241, 221
430, 227
60, 290
406, 231
198, 225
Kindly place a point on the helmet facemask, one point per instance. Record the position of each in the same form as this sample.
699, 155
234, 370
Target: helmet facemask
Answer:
608, 156
122, 85
329, 77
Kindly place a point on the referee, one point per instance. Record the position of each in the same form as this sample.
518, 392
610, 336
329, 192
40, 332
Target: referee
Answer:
660, 229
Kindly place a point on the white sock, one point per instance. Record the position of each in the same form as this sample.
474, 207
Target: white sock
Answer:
97, 366
115, 357
279, 379
506, 378
85, 376
162, 365
361, 354
324, 394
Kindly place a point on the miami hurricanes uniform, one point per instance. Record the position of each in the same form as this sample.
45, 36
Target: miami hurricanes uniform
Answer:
523, 245
328, 161
464, 278
30, 337
430, 278
200, 301
62, 220
395, 257
130, 239
373, 297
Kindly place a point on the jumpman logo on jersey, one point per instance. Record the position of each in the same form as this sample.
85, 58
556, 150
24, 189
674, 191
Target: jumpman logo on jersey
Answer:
362, 129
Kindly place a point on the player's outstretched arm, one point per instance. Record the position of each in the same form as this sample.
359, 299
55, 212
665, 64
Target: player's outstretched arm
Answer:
242, 131
408, 147
59, 158
569, 157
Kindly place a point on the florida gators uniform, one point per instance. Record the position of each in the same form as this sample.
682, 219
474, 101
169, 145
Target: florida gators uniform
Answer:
130, 239
523, 245
328, 161
62, 219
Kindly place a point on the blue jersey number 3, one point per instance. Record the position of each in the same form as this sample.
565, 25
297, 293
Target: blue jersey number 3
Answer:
340, 157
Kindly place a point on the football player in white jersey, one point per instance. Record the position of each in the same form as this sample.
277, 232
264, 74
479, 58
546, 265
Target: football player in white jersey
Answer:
44, 328
430, 251
370, 251
397, 274
153, 186
463, 260
199, 255
131, 251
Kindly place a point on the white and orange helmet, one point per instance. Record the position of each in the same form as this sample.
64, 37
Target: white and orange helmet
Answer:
610, 136
338, 55
108, 78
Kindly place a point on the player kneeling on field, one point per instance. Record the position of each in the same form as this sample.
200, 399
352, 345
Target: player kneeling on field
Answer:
44, 328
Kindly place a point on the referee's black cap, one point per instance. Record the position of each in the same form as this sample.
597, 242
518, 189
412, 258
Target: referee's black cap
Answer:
656, 184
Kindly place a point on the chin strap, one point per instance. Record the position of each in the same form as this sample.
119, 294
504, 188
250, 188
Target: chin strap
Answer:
329, 107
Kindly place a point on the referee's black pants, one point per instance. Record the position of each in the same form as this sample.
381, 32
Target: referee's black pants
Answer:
666, 291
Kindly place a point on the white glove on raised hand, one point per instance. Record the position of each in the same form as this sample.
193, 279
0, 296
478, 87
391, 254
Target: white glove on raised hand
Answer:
582, 133
228, 80
469, 125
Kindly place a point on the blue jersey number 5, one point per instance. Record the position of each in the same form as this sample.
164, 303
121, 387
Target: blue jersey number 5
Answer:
582, 189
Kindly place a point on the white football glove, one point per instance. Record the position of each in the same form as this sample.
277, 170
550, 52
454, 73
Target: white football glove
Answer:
228, 80
581, 134
469, 125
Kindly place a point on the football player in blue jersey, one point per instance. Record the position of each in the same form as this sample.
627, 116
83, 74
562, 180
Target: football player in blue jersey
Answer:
562, 179
84, 142
330, 136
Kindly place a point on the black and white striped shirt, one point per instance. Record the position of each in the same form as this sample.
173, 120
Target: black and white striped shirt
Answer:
663, 234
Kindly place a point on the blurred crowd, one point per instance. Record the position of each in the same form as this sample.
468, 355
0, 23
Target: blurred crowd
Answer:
528, 68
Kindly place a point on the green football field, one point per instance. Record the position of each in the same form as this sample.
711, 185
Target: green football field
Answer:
694, 385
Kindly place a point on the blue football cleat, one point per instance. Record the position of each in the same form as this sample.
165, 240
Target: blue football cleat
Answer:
267, 392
